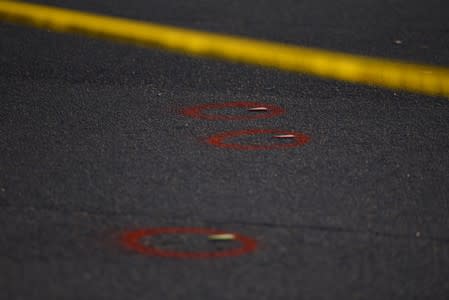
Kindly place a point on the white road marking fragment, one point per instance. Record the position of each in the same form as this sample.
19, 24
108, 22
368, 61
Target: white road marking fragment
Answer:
221, 237
260, 108
284, 136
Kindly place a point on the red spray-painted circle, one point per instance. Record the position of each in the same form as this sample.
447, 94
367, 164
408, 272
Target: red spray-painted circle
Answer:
198, 111
218, 140
132, 241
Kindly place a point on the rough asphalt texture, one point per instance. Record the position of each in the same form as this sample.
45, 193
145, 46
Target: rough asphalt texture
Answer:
92, 144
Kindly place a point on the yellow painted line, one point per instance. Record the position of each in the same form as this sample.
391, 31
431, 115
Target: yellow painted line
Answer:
424, 79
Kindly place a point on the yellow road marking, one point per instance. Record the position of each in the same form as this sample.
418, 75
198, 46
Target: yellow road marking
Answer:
426, 79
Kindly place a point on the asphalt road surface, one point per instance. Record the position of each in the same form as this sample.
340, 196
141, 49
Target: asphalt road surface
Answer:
94, 147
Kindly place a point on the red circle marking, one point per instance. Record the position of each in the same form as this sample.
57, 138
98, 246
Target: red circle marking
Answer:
132, 241
218, 140
198, 111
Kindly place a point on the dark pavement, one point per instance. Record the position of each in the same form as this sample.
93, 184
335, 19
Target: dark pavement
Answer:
93, 144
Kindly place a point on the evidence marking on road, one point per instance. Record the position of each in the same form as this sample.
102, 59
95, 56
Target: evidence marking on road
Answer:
199, 111
394, 74
132, 241
219, 140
